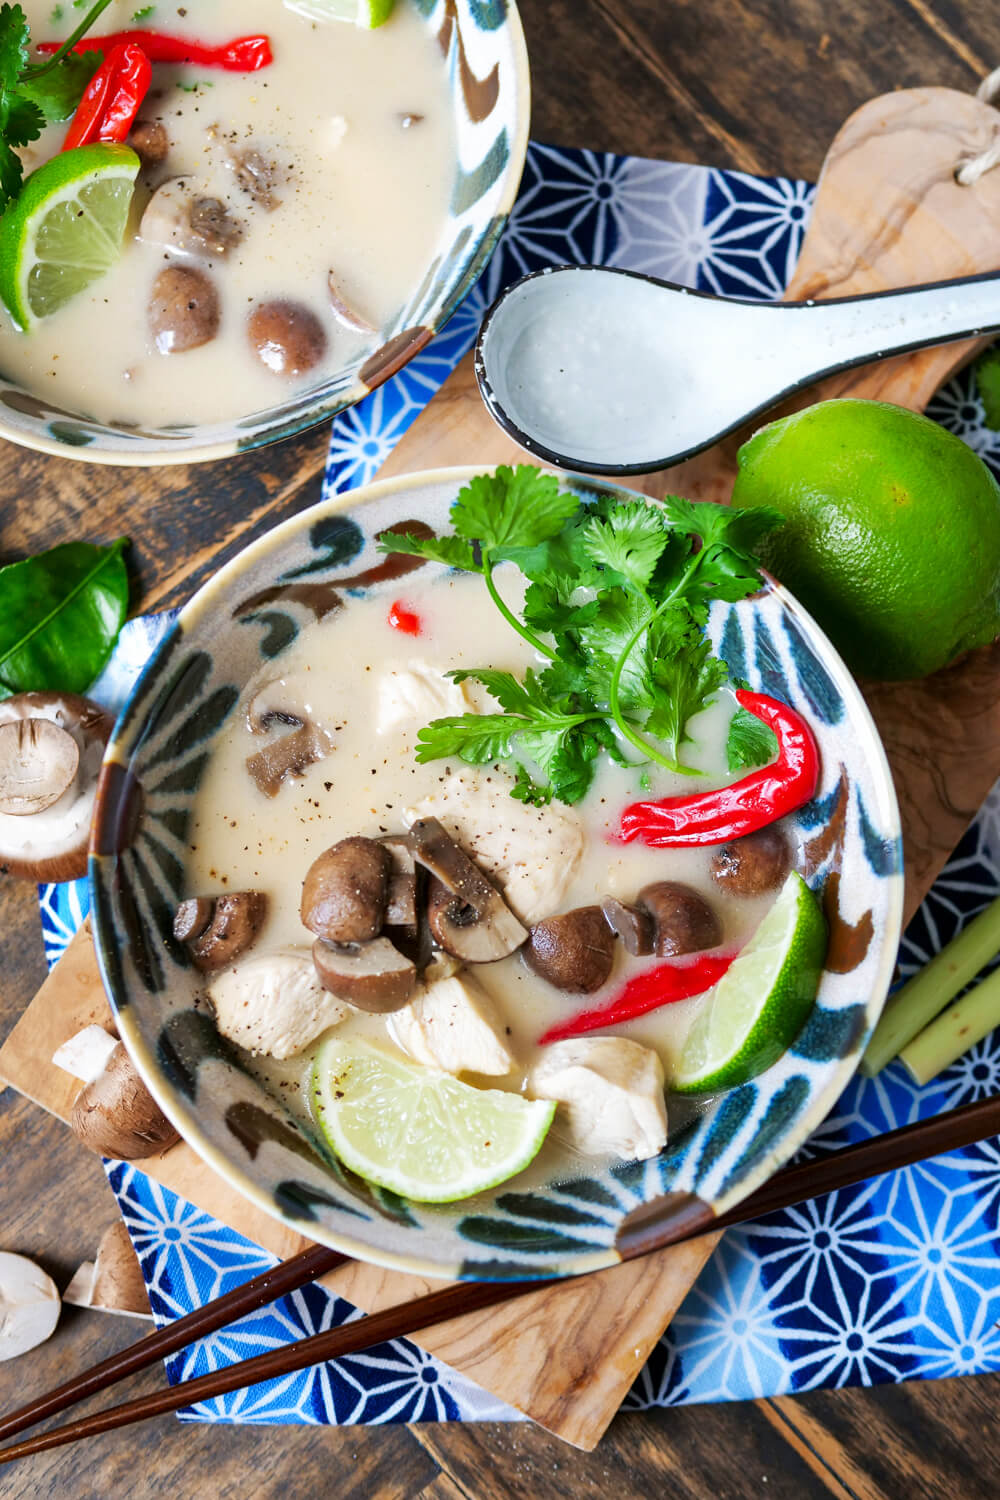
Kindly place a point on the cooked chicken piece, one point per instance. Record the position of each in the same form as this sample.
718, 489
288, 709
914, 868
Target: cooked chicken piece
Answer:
415, 694
453, 1025
531, 852
612, 1090
274, 1003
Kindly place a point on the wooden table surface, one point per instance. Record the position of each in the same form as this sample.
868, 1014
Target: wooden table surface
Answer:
760, 85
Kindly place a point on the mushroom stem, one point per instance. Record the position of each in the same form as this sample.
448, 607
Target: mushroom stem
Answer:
86, 1054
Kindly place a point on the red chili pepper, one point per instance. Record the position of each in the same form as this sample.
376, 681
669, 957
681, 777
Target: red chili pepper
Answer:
663, 985
111, 99
244, 55
731, 811
401, 618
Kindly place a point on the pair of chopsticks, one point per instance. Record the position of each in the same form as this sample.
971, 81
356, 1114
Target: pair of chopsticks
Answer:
844, 1168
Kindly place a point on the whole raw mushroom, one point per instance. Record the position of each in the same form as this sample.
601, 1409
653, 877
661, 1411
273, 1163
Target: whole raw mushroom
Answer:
114, 1114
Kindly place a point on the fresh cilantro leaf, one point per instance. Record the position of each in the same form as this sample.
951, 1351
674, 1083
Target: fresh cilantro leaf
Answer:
453, 551
629, 542
512, 508
516, 697
475, 738
622, 619
57, 93
24, 121
11, 173
15, 38
686, 682
143, 13
525, 789
749, 742
567, 758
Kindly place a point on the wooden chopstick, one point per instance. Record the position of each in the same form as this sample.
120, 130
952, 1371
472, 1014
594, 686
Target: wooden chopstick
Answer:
287, 1277
852, 1164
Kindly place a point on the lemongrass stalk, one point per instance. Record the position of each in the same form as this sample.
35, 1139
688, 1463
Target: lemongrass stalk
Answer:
925, 995
963, 1025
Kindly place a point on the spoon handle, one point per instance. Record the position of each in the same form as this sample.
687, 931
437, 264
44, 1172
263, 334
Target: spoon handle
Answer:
853, 330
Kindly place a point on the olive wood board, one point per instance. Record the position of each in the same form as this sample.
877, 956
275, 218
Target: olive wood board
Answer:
888, 213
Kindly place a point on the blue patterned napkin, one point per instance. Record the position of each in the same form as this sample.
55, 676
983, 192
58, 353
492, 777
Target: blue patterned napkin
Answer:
896, 1279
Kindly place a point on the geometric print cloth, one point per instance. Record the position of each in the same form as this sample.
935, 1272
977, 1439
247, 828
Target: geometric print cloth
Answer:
896, 1279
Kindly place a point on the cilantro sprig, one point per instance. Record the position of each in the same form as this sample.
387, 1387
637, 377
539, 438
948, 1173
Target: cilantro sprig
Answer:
616, 603
32, 93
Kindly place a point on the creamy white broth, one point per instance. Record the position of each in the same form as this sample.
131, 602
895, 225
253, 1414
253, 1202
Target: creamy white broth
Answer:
364, 197
243, 839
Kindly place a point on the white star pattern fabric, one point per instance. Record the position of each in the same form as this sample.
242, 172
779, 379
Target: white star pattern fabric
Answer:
895, 1279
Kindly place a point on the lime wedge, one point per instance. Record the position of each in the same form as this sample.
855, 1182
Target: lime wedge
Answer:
366, 13
759, 1005
421, 1133
65, 229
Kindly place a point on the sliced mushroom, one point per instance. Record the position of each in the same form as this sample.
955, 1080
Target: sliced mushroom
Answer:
683, 921
401, 903
575, 951
257, 175
192, 917
287, 337
235, 920
754, 864
183, 310
38, 762
113, 1281
51, 746
345, 891
343, 310
467, 915
29, 1305
116, 1115
372, 976
213, 226
284, 701
629, 923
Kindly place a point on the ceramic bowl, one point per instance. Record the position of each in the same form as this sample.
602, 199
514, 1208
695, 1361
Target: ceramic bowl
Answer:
488, 69
250, 613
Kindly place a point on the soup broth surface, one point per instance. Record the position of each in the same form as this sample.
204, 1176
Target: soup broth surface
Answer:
359, 128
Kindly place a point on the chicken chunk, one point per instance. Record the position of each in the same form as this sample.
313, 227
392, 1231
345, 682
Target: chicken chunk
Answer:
274, 1003
532, 852
612, 1090
416, 693
453, 1025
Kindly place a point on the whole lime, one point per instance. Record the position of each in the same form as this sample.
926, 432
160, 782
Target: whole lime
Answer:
892, 532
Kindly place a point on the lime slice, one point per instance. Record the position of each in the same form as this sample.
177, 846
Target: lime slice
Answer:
759, 1005
65, 229
421, 1133
366, 13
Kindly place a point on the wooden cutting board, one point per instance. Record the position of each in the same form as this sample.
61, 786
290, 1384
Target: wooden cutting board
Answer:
889, 213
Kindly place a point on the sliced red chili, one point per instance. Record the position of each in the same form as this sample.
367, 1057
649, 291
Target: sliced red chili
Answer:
110, 102
246, 54
729, 812
403, 619
663, 985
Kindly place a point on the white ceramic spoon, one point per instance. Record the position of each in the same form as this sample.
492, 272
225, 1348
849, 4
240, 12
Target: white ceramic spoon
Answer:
612, 372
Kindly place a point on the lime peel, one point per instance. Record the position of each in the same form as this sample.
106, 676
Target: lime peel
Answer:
364, 13
755, 1011
418, 1132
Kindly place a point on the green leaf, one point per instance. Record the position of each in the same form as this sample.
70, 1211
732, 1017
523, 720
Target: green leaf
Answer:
686, 681
24, 121
525, 789
516, 697
60, 614
475, 738
605, 640
629, 542
749, 742
512, 508
58, 92
15, 38
453, 551
987, 375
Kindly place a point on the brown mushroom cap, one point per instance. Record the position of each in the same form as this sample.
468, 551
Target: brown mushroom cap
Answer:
754, 864
183, 310
345, 891
286, 337
38, 761
574, 951
280, 703
631, 924
373, 976
683, 920
117, 1116
192, 917
236, 919
50, 842
466, 914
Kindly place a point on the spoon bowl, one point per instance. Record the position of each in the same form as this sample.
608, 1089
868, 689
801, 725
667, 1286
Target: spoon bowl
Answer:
607, 371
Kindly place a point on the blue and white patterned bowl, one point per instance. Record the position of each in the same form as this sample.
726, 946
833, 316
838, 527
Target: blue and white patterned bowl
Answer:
488, 72
251, 612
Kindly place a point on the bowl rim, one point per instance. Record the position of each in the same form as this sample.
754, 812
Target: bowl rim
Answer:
238, 1177
507, 191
